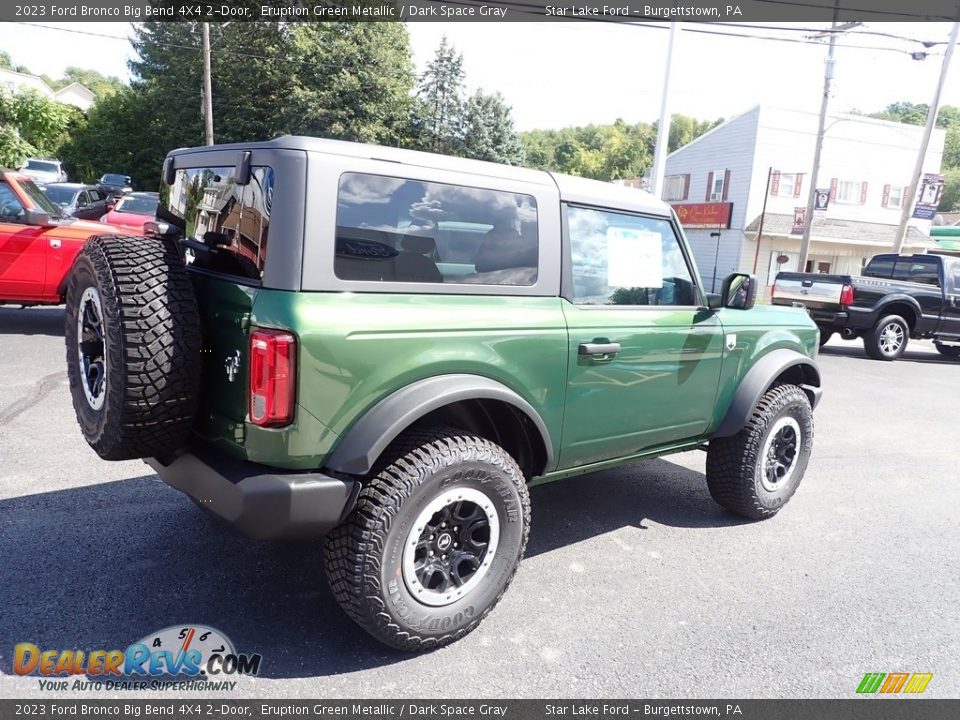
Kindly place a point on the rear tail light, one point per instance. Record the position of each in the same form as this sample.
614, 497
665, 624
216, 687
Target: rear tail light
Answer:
273, 376
846, 295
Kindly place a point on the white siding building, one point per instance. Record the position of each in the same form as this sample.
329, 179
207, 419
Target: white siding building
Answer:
865, 165
74, 94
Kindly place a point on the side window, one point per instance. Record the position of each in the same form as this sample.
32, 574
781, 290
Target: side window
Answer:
393, 229
620, 259
918, 271
11, 209
879, 267
232, 219
86, 198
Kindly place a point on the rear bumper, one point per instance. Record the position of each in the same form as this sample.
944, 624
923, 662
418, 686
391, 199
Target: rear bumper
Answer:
258, 501
851, 318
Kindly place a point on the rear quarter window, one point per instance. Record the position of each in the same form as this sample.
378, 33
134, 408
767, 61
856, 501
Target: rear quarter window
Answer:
394, 229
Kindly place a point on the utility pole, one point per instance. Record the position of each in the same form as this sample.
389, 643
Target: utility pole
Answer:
663, 127
207, 87
835, 29
932, 113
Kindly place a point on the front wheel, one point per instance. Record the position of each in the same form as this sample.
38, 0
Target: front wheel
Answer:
755, 472
436, 536
950, 351
888, 338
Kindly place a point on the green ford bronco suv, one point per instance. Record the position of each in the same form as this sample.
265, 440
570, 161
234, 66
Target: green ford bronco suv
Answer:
390, 347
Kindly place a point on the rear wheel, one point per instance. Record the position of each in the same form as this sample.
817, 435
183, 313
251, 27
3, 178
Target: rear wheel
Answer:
755, 472
133, 346
950, 351
437, 534
888, 338
825, 336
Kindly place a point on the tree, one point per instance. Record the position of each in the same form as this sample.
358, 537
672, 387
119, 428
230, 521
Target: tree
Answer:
351, 81
439, 105
32, 124
488, 132
118, 135
950, 199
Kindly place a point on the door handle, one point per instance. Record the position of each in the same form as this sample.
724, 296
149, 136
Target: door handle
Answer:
598, 348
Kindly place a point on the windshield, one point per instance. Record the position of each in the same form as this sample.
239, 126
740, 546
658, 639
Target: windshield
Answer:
62, 196
41, 166
38, 199
137, 205
115, 179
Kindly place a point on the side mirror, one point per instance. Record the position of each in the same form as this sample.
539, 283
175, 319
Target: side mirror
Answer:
739, 291
36, 217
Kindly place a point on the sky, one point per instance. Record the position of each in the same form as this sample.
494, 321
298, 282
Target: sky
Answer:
560, 74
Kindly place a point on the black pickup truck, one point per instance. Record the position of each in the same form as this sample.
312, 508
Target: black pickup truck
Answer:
896, 298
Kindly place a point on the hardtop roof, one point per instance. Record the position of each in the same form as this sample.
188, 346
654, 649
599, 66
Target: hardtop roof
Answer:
572, 189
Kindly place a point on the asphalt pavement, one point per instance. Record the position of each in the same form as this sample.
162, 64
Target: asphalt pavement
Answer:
635, 583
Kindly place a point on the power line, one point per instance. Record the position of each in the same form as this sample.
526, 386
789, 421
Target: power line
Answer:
515, 5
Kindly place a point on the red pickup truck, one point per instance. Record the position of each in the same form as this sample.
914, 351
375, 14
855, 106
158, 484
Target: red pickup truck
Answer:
37, 248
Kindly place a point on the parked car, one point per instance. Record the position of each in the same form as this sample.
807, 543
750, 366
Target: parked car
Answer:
420, 339
37, 246
44, 171
115, 185
87, 202
133, 210
896, 298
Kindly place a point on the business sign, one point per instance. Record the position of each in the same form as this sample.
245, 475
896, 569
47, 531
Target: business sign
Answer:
821, 200
929, 197
704, 215
799, 216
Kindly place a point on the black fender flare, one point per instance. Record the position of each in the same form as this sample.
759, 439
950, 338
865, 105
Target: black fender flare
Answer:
899, 299
363, 443
759, 378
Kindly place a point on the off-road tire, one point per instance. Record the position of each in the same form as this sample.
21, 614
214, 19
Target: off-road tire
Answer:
873, 339
151, 341
950, 351
364, 556
735, 465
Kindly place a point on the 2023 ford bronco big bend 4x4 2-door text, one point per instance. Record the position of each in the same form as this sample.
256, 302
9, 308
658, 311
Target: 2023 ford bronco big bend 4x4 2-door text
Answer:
388, 347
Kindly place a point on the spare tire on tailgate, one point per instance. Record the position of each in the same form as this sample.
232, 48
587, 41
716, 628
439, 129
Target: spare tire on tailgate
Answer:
133, 346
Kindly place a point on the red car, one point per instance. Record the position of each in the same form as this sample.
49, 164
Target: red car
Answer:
37, 247
133, 210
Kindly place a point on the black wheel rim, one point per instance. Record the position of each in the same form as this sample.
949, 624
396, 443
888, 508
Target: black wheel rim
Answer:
91, 348
780, 454
450, 547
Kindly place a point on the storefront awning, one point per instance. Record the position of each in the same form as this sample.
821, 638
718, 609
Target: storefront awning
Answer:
848, 232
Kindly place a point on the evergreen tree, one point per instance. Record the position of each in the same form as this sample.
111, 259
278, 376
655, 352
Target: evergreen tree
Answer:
488, 132
438, 118
351, 81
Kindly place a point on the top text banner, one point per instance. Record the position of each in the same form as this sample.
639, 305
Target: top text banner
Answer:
481, 10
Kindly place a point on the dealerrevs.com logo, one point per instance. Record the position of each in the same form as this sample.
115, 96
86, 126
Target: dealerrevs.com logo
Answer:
196, 656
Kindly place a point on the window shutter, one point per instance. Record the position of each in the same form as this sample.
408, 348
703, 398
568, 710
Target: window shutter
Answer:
726, 184
863, 193
775, 183
885, 200
833, 189
686, 186
709, 186
797, 185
